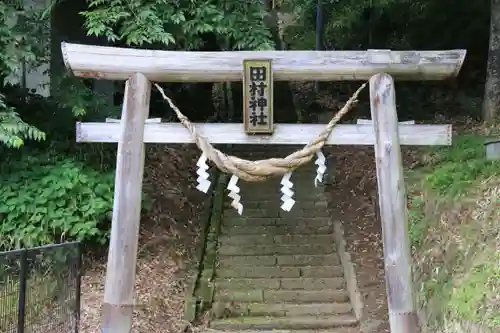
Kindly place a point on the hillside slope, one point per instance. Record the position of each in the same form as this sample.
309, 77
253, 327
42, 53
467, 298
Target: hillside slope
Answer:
453, 198
454, 201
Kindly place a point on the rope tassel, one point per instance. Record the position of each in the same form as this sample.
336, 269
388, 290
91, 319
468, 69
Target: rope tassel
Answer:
320, 171
287, 191
203, 175
233, 194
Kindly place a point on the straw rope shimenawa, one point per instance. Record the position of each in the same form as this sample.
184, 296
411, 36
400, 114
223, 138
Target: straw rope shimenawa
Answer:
261, 170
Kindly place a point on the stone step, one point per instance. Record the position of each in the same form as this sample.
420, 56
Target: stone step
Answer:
277, 230
277, 240
306, 212
309, 260
276, 221
225, 240
278, 249
280, 310
258, 272
321, 271
246, 284
283, 260
253, 212
318, 203
269, 323
331, 330
283, 283
279, 272
281, 296
305, 296
231, 261
312, 283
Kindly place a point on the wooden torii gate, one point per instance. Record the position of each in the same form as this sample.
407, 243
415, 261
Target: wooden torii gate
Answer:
140, 67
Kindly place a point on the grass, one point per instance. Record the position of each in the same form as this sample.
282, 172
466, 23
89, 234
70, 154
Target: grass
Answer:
478, 286
455, 233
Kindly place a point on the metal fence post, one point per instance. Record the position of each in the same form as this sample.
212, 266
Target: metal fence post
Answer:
23, 276
78, 285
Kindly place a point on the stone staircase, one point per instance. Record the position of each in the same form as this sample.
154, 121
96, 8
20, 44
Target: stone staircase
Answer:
280, 270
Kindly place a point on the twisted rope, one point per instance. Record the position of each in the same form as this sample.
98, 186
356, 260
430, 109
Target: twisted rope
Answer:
261, 170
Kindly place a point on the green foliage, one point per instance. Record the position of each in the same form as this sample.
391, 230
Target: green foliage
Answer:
24, 37
458, 168
47, 200
450, 172
13, 130
24, 41
73, 95
179, 24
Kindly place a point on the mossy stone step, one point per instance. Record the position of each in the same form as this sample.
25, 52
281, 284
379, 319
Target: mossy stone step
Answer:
331, 330
280, 283
305, 296
321, 271
348, 329
276, 221
281, 296
279, 272
282, 260
253, 240
232, 261
258, 272
254, 212
254, 204
226, 240
269, 323
278, 230
278, 249
246, 284
312, 283
306, 212
280, 310
244, 295
309, 260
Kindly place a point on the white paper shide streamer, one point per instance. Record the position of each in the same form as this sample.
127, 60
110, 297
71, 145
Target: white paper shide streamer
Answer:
233, 194
287, 191
203, 175
320, 171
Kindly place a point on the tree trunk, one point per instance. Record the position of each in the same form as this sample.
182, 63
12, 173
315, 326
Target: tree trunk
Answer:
284, 99
491, 102
320, 25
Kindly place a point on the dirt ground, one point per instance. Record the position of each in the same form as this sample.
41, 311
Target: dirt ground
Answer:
353, 199
353, 196
169, 236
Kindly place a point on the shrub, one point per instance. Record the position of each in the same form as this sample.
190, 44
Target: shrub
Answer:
43, 200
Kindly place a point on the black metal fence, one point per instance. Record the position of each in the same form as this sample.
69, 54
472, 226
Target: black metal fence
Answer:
40, 289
